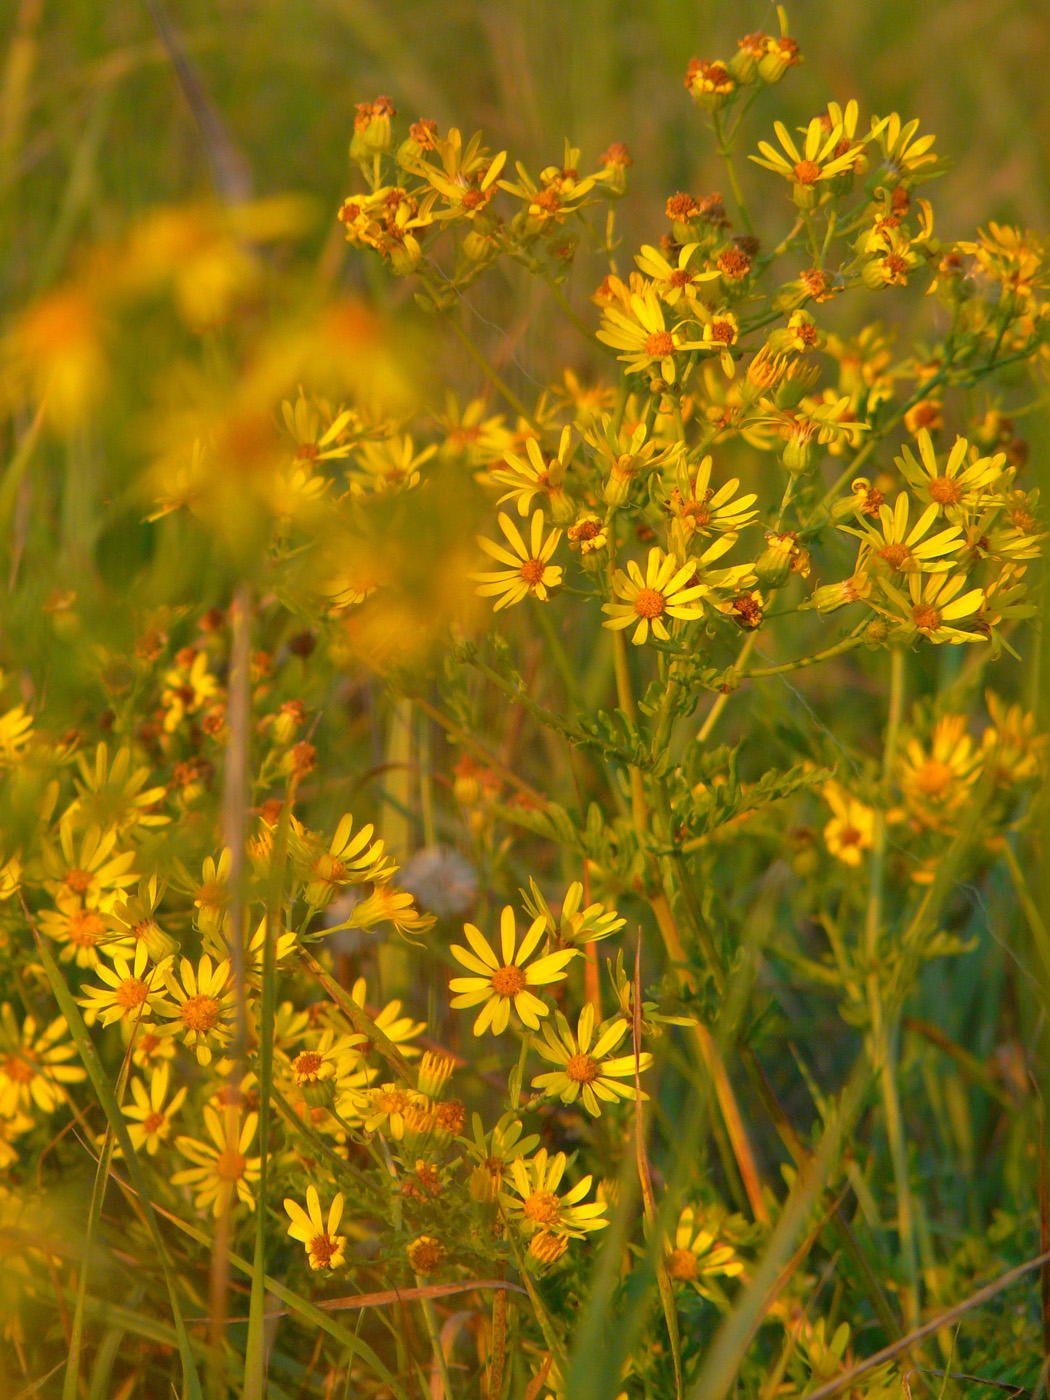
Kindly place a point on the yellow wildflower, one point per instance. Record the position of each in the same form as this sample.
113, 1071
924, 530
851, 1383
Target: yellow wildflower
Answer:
697, 1256
151, 1118
538, 1207
127, 995
221, 1169
505, 985
666, 589
850, 831
324, 1248
200, 1008
587, 1072
33, 1064
529, 571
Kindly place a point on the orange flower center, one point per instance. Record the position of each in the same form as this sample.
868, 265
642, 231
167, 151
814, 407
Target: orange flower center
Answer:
896, 267
322, 1248
543, 1207
328, 869
425, 1254
582, 1069
17, 1069
450, 1116
307, 1067
681, 1265
894, 555
849, 836
78, 880
933, 777
807, 172
945, 490
926, 617
86, 928
532, 571
152, 1122
211, 895
723, 332
132, 992
649, 603
508, 981
229, 1165
659, 344
200, 1013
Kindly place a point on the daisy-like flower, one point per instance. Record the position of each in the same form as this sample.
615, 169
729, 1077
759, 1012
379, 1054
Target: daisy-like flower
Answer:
697, 1257
389, 905
1012, 748
529, 571
93, 872
721, 329
574, 924
587, 1071
588, 535
819, 160
933, 604
937, 781
904, 153
128, 994
643, 335
503, 986
674, 281
349, 860
538, 1207
699, 509
851, 830
394, 1111
400, 1029
33, 1064
199, 1009
131, 919
665, 590
211, 896
960, 485
151, 1118
332, 1068
907, 551
534, 475
151, 1048
324, 1248
82, 932
221, 1167
315, 442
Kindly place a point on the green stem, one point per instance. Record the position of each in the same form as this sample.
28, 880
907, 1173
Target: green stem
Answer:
725, 150
430, 1318
850, 644
885, 1031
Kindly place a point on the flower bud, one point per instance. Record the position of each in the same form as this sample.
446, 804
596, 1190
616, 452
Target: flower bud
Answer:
798, 456
876, 632
618, 487
836, 595
710, 84
615, 161
372, 134
780, 55
773, 565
